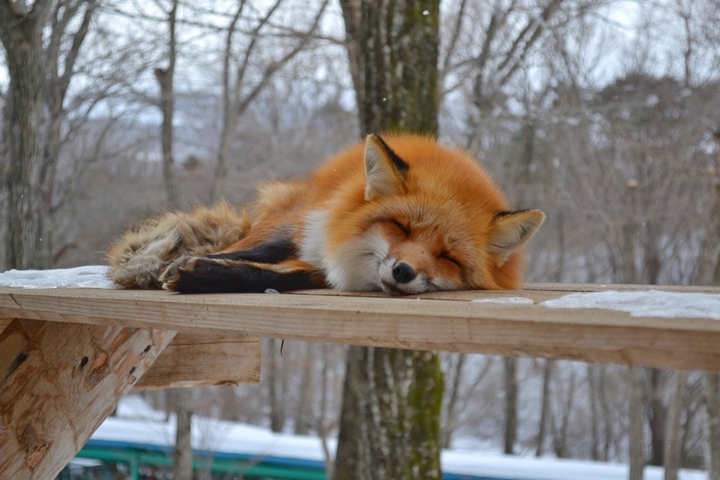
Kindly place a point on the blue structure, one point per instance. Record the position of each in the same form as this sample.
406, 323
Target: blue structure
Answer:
137, 456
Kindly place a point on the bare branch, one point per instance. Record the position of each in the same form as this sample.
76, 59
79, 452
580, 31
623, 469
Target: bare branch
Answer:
276, 65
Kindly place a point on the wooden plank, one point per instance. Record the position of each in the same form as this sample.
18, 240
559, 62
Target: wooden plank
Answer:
58, 382
548, 288
431, 324
205, 358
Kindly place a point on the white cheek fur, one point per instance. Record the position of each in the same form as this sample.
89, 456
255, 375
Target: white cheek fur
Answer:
355, 264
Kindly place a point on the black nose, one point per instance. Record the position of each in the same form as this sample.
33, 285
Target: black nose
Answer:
403, 273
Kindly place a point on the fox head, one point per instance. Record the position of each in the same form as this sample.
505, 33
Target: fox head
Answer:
421, 217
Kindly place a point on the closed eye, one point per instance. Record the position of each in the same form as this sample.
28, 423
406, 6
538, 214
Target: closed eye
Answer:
446, 256
402, 227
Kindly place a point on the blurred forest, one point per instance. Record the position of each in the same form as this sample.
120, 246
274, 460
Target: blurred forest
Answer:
604, 114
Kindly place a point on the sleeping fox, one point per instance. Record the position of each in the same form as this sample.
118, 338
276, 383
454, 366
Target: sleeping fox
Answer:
398, 213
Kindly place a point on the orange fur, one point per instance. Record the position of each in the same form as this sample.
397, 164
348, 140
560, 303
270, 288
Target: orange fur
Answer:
397, 199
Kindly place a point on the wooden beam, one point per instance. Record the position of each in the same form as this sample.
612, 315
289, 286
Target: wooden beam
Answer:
438, 321
58, 382
4, 323
206, 358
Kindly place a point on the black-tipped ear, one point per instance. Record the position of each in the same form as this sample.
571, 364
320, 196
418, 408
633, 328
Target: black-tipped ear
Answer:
384, 169
510, 230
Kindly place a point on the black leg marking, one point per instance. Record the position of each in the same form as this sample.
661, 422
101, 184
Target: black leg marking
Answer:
202, 275
271, 252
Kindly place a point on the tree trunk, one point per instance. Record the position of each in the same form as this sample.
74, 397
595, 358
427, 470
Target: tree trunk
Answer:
389, 426
165, 78
303, 418
182, 464
390, 422
714, 272
322, 426
595, 416
607, 415
21, 32
229, 116
657, 415
275, 391
673, 445
545, 409
511, 399
636, 442
711, 387
394, 48
561, 436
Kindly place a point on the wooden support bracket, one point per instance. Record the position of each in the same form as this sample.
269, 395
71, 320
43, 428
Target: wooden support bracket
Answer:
58, 382
205, 358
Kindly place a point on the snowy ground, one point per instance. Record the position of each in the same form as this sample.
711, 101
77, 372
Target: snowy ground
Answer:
653, 303
136, 422
91, 276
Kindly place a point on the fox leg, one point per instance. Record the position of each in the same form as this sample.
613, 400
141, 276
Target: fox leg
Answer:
269, 252
223, 275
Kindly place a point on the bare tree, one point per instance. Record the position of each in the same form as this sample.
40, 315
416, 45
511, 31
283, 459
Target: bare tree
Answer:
183, 457
673, 447
276, 392
545, 407
165, 78
711, 384
452, 404
560, 433
390, 421
21, 32
61, 58
657, 414
237, 93
511, 404
493, 69
303, 416
636, 443
463, 390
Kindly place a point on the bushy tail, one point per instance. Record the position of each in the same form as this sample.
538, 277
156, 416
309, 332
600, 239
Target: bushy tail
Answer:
140, 256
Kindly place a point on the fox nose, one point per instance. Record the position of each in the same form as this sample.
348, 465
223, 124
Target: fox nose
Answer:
403, 273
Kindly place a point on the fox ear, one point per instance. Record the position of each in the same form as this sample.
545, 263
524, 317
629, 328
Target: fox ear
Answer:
384, 169
510, 230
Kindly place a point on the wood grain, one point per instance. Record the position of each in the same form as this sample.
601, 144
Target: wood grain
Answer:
438, 321
4, 323
207, 358
58, 382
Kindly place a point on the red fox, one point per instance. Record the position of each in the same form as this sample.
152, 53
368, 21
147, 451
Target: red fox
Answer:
398, 213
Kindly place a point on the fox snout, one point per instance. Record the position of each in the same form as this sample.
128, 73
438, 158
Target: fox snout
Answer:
399, 277
403, 273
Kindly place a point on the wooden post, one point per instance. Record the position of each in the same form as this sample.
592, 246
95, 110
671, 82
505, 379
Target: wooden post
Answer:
58, 382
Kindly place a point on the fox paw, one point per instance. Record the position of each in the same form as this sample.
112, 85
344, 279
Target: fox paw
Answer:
178, 273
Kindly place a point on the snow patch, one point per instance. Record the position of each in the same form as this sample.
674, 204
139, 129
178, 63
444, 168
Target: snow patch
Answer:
515, 300
91, 276
653, 303
138, 423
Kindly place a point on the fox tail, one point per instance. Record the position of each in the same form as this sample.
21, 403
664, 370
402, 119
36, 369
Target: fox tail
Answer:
140, 256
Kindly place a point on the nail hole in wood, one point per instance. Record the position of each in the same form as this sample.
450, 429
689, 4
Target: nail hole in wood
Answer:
16, 363
83, 362
147, 349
